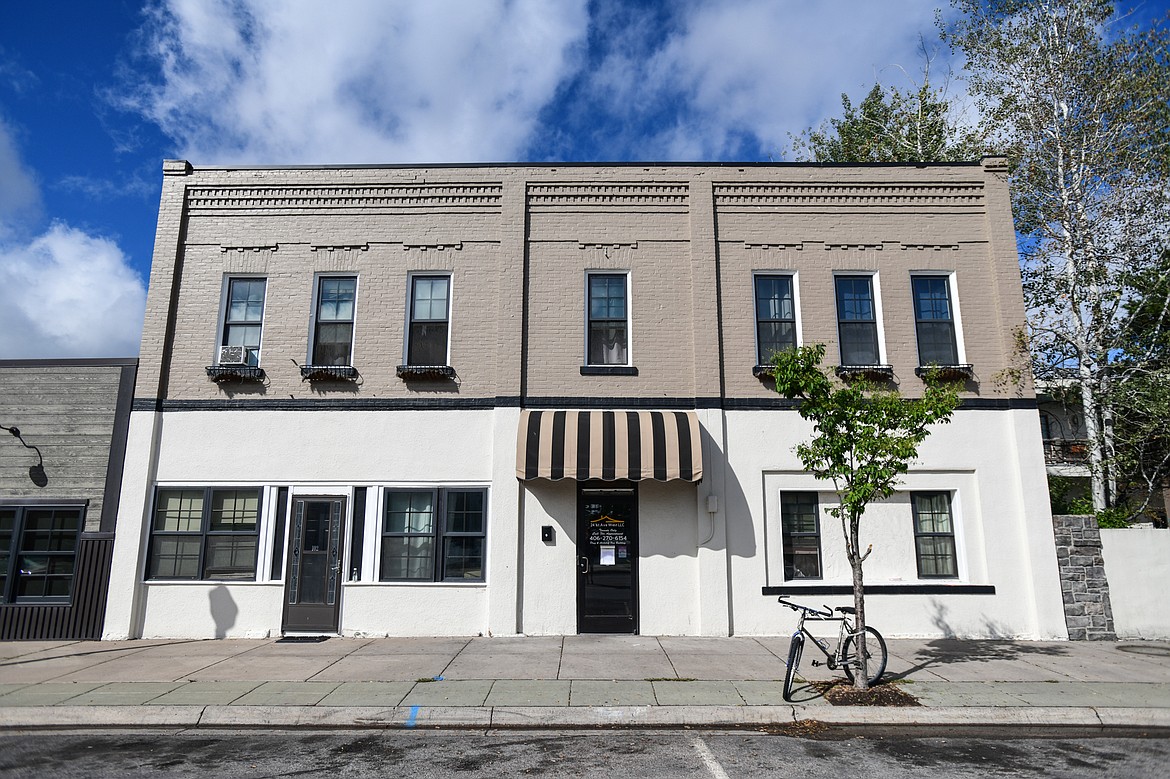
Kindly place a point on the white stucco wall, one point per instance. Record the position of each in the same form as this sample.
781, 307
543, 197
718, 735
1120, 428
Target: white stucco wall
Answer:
318, 453
991, 461
196, 610
700, 571
1137, 565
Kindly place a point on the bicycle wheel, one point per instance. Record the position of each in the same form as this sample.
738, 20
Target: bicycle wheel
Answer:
794, 650
875, 653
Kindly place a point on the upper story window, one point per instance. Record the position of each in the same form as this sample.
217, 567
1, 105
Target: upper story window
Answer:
429, 320
857, 321
934, 321
38, 551
243, 318
200, 533
333, 325
609, 324
775, 316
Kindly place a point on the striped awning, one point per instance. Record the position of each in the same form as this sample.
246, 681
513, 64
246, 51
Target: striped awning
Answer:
609, 445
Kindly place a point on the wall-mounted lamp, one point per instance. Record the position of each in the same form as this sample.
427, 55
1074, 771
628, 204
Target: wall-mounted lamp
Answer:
35, 472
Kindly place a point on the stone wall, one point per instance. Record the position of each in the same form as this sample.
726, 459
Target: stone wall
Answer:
1087, 610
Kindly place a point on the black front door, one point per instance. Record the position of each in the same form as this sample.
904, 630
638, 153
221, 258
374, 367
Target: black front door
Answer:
312, 588
607, 560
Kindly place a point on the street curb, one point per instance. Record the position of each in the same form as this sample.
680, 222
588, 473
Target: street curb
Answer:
555, 717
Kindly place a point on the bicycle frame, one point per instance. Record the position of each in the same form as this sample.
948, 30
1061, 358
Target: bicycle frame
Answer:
833, 658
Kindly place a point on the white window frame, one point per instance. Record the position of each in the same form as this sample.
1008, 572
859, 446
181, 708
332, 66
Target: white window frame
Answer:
879, 319
221, 328
407, 318
956, 316
629, 317
312, 338
798, 324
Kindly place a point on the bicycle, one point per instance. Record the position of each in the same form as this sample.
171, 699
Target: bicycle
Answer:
843, 656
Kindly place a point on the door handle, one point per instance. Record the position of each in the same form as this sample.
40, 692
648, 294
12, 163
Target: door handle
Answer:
582, 565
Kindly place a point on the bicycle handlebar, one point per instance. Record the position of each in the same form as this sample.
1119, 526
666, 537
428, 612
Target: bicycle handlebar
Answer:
828, 612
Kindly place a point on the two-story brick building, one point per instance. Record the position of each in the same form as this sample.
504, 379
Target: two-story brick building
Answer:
501, 399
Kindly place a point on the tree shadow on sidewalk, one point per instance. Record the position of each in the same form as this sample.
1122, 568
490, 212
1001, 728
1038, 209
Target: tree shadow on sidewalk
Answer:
950, 649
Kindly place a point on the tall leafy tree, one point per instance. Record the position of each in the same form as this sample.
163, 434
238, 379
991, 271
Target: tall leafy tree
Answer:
864, 439
893, 125
1140, 389
1083, 109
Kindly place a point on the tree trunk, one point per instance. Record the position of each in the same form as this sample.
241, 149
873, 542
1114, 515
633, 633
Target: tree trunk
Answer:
856, 560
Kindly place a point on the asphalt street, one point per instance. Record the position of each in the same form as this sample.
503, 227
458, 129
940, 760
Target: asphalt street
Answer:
615, 754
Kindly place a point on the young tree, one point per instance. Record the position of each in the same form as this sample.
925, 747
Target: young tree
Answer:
864, 439
1083, 110
892, 125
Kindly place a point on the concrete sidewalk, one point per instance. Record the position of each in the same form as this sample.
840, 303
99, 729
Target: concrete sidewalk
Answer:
569, 681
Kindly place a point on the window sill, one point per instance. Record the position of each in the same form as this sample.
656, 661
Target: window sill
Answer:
608, 370
221, 373
328, 373
905, 588
869, 372
425, 372
947, 372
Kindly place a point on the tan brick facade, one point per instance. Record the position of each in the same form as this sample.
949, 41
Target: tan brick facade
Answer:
518, 243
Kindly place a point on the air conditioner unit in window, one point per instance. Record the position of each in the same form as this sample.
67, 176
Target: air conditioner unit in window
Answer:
233, 355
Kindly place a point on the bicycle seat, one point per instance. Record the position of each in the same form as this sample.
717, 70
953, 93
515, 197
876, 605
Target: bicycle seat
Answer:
846, 609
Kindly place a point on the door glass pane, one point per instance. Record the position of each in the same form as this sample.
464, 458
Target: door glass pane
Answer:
608, 546
316, 528
312, 573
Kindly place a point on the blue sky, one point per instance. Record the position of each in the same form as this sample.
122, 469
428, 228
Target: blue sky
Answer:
94, 95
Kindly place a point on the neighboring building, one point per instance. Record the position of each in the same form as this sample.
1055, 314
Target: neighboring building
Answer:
501, 399
61, 455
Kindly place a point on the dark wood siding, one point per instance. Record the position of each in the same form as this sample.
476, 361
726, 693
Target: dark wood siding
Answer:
80, 619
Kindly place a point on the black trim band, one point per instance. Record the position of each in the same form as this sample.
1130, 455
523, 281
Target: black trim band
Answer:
883, 589
514, 401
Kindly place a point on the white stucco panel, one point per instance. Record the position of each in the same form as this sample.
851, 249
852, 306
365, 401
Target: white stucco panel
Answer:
351, 447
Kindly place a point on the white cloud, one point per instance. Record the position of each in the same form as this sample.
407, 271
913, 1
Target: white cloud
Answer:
20, 198
63, 293
761, 68
358, 81
68, 294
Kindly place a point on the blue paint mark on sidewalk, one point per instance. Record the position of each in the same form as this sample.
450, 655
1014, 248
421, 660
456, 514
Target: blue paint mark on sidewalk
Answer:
413, 716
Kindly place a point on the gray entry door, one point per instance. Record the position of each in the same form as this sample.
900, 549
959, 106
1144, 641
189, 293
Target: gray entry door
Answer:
312, 588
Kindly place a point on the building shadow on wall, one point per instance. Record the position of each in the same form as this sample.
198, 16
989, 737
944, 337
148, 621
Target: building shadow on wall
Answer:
952, 650
223, 610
